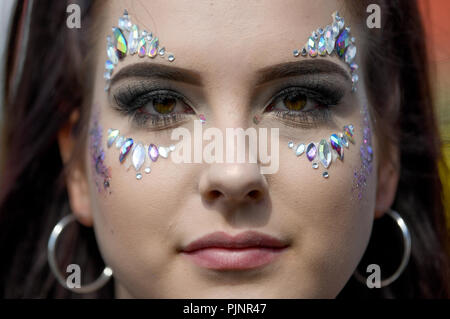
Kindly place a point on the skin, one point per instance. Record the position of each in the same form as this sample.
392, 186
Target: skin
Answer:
141, 224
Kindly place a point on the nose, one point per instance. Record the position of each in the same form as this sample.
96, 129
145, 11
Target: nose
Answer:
233, 183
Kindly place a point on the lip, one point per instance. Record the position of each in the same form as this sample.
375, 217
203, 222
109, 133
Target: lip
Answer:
221, 251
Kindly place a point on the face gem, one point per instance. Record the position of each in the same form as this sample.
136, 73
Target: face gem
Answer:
112, 135
163, 151
153, 48
147, 170
142, 47
350, 54
296, 53
312, 47
300, 149
311, 151
325, 175
109, 65
138, 176
335, 142
111, 52
120, 43
119, 141
291, 144
172, 148
202, 118
342, 42
324, 153
329, 39
344, 140
153, 152
133, 40
348, 132
315, 165
125, 149
138, 156
322, 46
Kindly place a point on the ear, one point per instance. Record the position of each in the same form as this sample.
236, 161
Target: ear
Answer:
388, 176
76, 179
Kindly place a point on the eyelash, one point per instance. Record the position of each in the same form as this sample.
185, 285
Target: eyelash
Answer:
132, 100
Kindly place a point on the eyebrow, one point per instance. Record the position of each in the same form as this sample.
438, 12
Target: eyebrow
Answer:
267, 74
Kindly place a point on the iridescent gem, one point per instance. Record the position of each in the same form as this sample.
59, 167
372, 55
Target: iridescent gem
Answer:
153, 152
171, 58
142, 47
291, 144
296, 53
342, 43
125, 149
315, 165
335, 28
133, 40
124, 22
120, 141
147, 170
320, 31
153, 48
120, 43
336, 144
138, 176
172, 148
353, 66
322, 46
138, 156
163, 151
355, 78
312, 47
111, 52
329, 39
324, 153
325, 175
344, 140
107, 75
311, 151
112, 135
109, 65
350, 53
348, 132
300, 149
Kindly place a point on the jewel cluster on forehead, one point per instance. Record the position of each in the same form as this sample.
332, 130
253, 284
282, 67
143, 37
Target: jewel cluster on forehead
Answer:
326, 151
140, 153
128, 39
333, 39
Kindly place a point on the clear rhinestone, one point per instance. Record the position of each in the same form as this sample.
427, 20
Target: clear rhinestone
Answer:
322, 46
325, 175
312, 47
107, 85
138, 156
120, 141
162, 51
291, 144
124, 22
341, 23
335, 28
296, 53
304, 52
315, 165
350, 53
112, 135
147, 170
320, 31
163, 151
171, 57
355, 78
107, 75
300, 149
324, 153
133, 40
172, 148
330, 39
344, 140
138, 176
354, 66
111, 52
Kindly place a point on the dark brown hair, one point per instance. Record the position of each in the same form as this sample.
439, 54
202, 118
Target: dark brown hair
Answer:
54, 82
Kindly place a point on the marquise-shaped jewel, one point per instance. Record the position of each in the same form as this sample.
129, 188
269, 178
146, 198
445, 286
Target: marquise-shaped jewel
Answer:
125, 149
111, 51
300, 149
112, 135
163, 151
350, 53
342, 42
344, 140
138, 156
330, 39
336, 144
312, 47
133, 40
324, 153
120, 43
311, 151
153, 152
120, 141
142, 47
153, 48
322, 46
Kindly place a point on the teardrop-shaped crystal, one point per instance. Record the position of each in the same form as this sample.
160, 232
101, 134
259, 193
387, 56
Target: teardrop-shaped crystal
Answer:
322, 46
119, 141
335, 28
124, 22
125, 149
311, 151
342, 42
312, 47
142, 47
163, 151
153, 48
324, 153
350, 53
133, 39
344, 140
111, 52
120, 43
112, 135
336, 144
330, 39
300, 149
138, 156
153, 152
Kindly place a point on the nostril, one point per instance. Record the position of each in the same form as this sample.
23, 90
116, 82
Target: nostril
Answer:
214, 194
254, 195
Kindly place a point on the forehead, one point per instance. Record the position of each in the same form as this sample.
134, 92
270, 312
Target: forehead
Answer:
216, 37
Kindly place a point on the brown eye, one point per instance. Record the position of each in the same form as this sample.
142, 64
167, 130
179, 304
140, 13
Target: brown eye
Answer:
164, 105
295, 102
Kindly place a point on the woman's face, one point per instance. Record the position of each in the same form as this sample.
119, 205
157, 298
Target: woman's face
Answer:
143, 226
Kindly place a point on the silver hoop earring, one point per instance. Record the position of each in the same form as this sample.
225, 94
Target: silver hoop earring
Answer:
97, 284
406, 251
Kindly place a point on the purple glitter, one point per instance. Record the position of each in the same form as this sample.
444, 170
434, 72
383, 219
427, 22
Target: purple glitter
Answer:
98, 157
366, 153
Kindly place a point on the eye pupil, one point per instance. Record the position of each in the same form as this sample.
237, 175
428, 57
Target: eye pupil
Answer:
164, 105
295, 102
